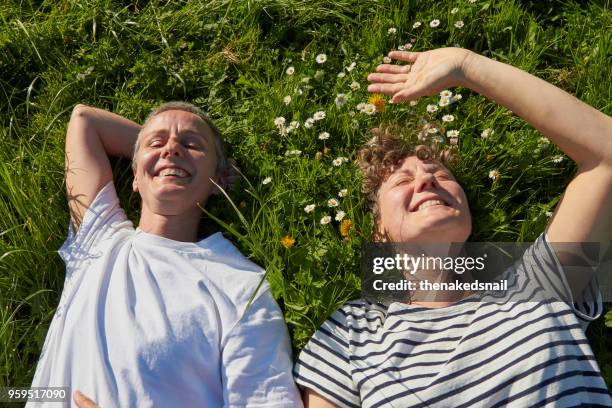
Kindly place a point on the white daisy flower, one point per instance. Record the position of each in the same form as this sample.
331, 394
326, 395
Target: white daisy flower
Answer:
457, 97
448, 118
293, 152
340, 215
361, 106
354, 86
452, 133
434, 23
407, 46
294, 124
290, 71
417, 24
287, 100
309, 208
319, 115
494, 174
332, 202
459, 24
386, 60
289, 129
454, 10
431, 108
486, 133
557, 159
543, 140
432, 130
267, 180
369, 109
341, 75
337, 162
343, 192
321, 58
413, 103
279, 121
446, 94
306, 80
453, 140
319, 74
325, 220
340, 100
323, 136
444, 102
308, 123
392, 31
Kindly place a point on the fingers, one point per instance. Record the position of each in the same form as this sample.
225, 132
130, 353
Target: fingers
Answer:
387, 89
393, 69
388, 78
408, 94
406, 56
82, 401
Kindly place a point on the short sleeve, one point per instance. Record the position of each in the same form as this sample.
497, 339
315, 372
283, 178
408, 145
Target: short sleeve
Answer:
101, 218
324, 364
256, 359
541, 265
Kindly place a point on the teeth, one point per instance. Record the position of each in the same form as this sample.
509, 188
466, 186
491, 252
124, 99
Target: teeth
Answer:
430, 203
173, 172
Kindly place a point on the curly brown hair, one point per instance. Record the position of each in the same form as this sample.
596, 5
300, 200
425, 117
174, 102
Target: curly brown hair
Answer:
389, 146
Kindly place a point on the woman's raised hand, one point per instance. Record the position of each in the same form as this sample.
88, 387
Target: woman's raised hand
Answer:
426, 73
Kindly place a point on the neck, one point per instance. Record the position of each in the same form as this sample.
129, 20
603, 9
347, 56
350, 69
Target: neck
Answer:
180, 227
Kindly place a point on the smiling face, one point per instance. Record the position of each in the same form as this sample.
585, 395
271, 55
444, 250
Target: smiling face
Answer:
175, 163
422, 202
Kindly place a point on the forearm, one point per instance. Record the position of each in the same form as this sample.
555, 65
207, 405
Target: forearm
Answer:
582, 132
116, 133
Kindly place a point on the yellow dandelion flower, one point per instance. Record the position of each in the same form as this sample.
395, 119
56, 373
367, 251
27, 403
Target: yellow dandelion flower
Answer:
378, 101
287, 241
345, 227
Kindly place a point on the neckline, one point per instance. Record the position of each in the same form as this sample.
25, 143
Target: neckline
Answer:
461, 305
158, 240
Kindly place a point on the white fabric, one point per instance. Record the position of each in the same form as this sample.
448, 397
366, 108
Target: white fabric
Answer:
148, 321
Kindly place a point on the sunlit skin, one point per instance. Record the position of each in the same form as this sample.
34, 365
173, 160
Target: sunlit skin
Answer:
178, 139
414, 181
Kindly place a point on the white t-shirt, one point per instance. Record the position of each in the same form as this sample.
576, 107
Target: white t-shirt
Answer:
499, 352
148, 321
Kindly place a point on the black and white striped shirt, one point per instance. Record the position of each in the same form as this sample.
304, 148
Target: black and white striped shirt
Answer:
488, 354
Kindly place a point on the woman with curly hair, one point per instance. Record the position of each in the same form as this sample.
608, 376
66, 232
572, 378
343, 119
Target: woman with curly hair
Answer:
455, 352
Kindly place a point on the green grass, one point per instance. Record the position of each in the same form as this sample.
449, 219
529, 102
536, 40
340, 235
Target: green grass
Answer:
230, 58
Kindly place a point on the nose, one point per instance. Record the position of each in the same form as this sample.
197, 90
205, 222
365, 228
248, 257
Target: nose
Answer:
425, 181
171, 148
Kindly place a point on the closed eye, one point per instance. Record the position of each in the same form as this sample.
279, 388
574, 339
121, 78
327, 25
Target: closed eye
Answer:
193, 145
402, 181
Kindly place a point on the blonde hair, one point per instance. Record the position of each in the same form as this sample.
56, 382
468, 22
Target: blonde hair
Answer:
187, 107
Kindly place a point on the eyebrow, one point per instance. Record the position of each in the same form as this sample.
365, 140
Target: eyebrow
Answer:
428, 166
163, 132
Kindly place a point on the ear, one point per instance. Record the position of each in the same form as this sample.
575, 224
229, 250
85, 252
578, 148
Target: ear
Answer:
228, 178
221, 181
135, 184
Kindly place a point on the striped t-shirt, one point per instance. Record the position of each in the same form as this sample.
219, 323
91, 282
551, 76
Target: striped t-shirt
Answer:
486, 354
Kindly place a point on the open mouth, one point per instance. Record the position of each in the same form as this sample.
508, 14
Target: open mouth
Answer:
429, 203
173, 173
